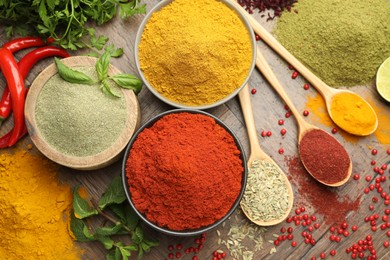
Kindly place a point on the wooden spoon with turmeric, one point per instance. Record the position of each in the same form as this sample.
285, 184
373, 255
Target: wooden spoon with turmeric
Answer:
257, 154
347, 109
322, 150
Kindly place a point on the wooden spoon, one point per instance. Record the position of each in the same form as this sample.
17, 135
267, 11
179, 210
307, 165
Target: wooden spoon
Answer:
304, 127
258, 154
326, 91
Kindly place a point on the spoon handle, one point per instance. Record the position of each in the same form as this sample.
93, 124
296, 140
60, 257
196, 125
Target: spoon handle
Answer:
321, 86
247, 111
267, 72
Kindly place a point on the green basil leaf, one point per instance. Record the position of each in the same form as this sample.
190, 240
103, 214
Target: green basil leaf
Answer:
110, 255
117, 254
102, 66
71, 75
82, 208
131, 247
77, 227
128, 81
107, 89
115, 193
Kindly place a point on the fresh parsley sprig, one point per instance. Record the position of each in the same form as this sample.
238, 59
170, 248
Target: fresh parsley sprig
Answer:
122, 80
124, 221
66, 21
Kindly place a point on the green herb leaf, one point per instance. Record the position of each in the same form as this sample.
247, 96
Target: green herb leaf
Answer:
132, 219
98, 42
107, 89
114, 194
131, 247
87, 233
81, 207
128, 81
130, 8
70, 75
102, 66
118, 210
114, 52
125, 253
111, 255
138, 235
108, 231
77, 227
117, 254
106, 241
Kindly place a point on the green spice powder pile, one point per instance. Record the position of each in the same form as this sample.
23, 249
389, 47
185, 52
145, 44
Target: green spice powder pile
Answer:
342, 41
77, 119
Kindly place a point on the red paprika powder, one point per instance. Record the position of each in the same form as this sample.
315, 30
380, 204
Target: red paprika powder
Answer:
184, 172
324, 157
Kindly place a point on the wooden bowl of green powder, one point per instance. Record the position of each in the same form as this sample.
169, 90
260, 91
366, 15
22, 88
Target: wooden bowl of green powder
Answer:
78, 125
195, 54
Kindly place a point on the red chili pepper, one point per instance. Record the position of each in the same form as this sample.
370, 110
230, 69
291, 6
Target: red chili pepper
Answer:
15, 82
25, 65
23, 43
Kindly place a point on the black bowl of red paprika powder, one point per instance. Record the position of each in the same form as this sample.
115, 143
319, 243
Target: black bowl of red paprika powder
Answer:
184, 172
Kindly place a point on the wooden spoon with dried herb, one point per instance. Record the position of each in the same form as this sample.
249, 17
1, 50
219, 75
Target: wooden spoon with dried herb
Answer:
268, 196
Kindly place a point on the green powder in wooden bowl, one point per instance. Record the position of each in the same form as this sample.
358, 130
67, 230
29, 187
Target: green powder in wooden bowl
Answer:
79, 120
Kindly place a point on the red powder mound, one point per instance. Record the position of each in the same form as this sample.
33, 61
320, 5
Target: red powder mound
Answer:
323, 199
184, 172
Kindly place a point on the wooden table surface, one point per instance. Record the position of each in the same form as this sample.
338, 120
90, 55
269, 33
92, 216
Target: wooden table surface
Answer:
330, 205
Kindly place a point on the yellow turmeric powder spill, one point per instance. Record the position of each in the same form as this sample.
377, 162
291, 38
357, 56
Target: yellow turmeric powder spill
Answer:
382, 133
195, 52
353, 114
34, 209
317, 107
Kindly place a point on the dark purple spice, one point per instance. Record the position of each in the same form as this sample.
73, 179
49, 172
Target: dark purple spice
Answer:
277, 6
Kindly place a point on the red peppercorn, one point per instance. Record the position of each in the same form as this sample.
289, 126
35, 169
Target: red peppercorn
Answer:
384, 167
195, 258
332, 237
293, 244
283, 131
305, 113
316, 225
386, 244
366, 190
286, 107
322, 255
283, 230
171, 256
387, 211
376, 169
289, 229
178, 254
287, 115
368, 178
281, 151
334, 130
356, 176
388, 151
170, 247
306, 86
371, 207
297, 211
276, 242
368, 238
179, 246
354, 228
345, 233
257, 37
374, 151
373, 162
385, 218
312, 241
269, 133
264, 134
344, 225
332, 229
332, 252
280, 121
290, 236
337, 239
295, 74
253, 91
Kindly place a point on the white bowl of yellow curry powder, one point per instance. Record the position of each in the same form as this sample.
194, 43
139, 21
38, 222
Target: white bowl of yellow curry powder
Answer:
195, 53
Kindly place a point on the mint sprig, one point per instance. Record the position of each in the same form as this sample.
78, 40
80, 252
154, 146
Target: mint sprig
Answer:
124, 221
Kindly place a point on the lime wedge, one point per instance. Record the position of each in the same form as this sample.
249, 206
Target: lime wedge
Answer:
383, 80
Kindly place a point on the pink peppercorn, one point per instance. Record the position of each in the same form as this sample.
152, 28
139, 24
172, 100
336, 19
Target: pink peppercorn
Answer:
295, 74
280, 121
283, 131
253, 91
306, 86
305, 113
374, 151
334, 130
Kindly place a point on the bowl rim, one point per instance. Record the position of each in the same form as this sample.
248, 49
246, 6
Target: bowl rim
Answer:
138, 37
91, 162
192, 232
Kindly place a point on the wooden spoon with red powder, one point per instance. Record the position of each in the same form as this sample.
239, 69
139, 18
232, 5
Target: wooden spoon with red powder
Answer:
321, 154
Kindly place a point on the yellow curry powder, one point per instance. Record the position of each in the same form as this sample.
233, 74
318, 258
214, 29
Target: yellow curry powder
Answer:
34, 208
353, 114
195, 52
382, 133
317, 107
